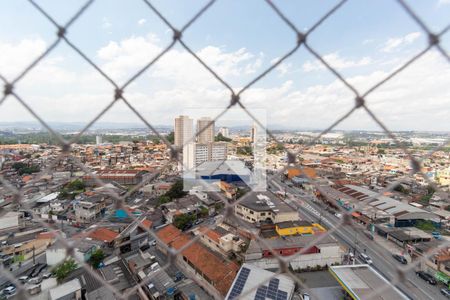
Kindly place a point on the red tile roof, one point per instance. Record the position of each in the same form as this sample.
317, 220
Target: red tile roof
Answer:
168, 233
213, 267
103, 234
147, 223
47, 235
211, 233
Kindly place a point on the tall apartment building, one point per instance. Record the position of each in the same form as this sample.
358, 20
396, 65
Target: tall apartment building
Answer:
253, 133
197, 153
224, 131
183, 130
207, 135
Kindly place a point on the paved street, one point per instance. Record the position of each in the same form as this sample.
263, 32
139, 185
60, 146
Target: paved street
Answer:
354, 237
25, 266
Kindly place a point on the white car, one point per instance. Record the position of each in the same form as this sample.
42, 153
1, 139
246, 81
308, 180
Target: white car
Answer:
338, 215
10, 290
365, 258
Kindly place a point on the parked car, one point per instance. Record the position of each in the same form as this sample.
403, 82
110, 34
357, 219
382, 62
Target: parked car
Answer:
445, 292
437, 235
9, 290
198, 221
178, 276
24, 278
306, 296
47, 275
145, 247
365, 258
34, 289
152, 243
427, 277
38, 270
187, 226
400, 258
35, 280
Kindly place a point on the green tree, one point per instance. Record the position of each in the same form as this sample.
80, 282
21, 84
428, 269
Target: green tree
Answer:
181, 221
203, 212
176, 190
29, 170
171, 137
220, 138
240, 192
64, 269
426, 225
244, 150
18, 165
164, 199
70, 190
96, 258
400, 188
76, 185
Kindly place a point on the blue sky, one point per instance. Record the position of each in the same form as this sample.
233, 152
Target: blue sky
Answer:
364, 40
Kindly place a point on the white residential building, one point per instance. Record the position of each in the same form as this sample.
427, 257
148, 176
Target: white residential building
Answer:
195, 153
224, 131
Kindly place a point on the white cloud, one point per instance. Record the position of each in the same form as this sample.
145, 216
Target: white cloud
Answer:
15, 57
283, 68
396, 43
416, 99
443, 2
142, 22
106, 24
334, 60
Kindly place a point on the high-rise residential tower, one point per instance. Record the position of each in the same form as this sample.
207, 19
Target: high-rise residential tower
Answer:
183, 130
224, 131
207, 135
98, 139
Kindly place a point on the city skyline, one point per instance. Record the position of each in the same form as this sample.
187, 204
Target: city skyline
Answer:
301, 93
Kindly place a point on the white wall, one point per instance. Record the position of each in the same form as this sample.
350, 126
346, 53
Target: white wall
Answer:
57, 255
333, 256
9, 220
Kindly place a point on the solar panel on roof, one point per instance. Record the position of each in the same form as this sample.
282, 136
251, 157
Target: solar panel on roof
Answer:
273, 283
239, 283
282, 295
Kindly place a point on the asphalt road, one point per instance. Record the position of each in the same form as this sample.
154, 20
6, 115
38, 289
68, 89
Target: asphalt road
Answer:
26, 265
383, 262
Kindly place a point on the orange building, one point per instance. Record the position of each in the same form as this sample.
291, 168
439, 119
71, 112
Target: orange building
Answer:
297, 171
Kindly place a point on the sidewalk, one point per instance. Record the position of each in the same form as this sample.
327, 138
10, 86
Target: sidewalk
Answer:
391, 246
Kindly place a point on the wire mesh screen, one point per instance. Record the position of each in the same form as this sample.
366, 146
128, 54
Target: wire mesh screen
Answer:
176, 252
